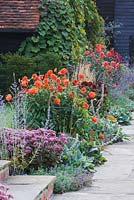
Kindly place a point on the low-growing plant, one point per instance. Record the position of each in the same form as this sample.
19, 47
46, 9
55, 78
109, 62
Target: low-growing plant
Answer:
33, 148
74, 155
122, 115
123, 101
68, 178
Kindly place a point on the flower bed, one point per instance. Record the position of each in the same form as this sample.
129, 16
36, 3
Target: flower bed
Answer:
61, 120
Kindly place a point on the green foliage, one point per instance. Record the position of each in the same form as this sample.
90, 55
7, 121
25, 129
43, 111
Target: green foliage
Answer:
47, 61
23, 65
130, 93
6, 117
121, 108
56, 31
14, 64
82, 154
64, 117
68, 178
80, 41
124, 102
59, 115
122, 115
65, 28
74, 155
94, 23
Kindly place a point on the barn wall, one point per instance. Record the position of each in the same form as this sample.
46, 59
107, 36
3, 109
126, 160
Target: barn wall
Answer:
106, 9
10, 41
124, 15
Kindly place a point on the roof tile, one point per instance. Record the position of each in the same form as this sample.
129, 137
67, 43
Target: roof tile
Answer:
19, 14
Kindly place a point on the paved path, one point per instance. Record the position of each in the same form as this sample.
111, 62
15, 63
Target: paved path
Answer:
115, 179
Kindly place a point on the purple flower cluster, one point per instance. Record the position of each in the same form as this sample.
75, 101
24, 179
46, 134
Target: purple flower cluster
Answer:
3, 193
125, 80
26, 142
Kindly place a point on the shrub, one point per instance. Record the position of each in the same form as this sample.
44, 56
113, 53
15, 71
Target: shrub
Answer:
14, 66
17, 65
102, 63
63, 103
48, 60
33, 148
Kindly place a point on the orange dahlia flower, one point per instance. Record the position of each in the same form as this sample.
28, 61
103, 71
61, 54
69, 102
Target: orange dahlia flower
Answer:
75, 82
33, 90
94, 119
63, 71
38, 83
57, 100
101, 136
83, 90
85, 105
92, 95
71, 94
8, 97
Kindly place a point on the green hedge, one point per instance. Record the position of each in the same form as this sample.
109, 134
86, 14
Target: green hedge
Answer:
23, 65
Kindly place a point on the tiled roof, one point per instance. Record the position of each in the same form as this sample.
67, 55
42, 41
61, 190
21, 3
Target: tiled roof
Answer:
19, 14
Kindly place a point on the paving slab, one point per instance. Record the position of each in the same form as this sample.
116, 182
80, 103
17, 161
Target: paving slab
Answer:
115, 179
28, 187
4, 163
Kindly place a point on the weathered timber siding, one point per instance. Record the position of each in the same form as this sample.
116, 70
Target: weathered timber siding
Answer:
124, 15
10, 41
106, 9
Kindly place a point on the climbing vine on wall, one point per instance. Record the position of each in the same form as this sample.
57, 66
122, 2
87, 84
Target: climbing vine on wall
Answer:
94, 23
64, 28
